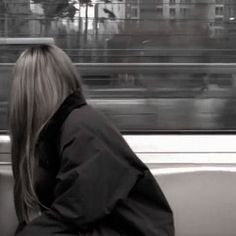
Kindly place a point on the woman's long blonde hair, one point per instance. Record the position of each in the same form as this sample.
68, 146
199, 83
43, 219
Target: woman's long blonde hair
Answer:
43, 77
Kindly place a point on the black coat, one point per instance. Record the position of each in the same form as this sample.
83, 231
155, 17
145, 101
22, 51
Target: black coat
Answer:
92, 182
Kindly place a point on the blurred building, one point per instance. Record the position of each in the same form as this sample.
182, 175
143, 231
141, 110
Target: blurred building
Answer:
230, 20
13, 17
36, 26
174, 9
133, 9
110, 17
109, 22
216, 16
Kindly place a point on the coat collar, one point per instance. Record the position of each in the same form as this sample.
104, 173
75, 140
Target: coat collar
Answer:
50, 133
74, 100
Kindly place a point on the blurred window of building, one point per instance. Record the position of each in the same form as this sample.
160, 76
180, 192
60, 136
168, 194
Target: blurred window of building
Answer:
172, 12
159, 11
219, 10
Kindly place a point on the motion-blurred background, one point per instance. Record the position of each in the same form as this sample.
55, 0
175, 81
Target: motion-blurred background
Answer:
151, 65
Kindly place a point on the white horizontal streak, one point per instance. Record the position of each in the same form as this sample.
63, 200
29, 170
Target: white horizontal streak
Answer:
194, 149
26, 40
4, 139
182, 143
180, 170
188, 158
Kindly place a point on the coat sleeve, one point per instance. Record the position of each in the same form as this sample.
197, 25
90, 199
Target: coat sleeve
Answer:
91, 181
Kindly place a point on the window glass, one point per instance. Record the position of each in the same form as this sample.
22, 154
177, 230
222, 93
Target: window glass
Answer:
150, 65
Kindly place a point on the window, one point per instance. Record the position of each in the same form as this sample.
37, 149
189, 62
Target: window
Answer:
134, 12
219, 31
219, 10
172, 12
183, 12
185, 94
219, 22
185, 1
159, 11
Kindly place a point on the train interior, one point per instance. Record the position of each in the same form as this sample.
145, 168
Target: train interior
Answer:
164, 72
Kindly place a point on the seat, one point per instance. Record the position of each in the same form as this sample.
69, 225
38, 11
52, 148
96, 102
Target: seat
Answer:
8, 219
203, 199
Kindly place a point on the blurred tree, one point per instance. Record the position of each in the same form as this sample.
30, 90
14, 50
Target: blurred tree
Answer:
67, 8
4, 11
61, 8
3, 6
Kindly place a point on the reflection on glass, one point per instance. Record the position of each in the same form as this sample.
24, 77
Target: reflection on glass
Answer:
126, 30
136, 31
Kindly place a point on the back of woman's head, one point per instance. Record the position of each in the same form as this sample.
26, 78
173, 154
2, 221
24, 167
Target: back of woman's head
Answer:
42, 78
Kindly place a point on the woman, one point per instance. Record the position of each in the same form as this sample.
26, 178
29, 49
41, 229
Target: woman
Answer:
74, 173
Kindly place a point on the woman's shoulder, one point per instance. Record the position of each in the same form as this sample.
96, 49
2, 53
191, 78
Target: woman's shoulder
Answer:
85, 114
86, 117
87, 122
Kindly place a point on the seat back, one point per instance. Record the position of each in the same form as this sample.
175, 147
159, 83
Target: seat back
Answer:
203, 200
8, 219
